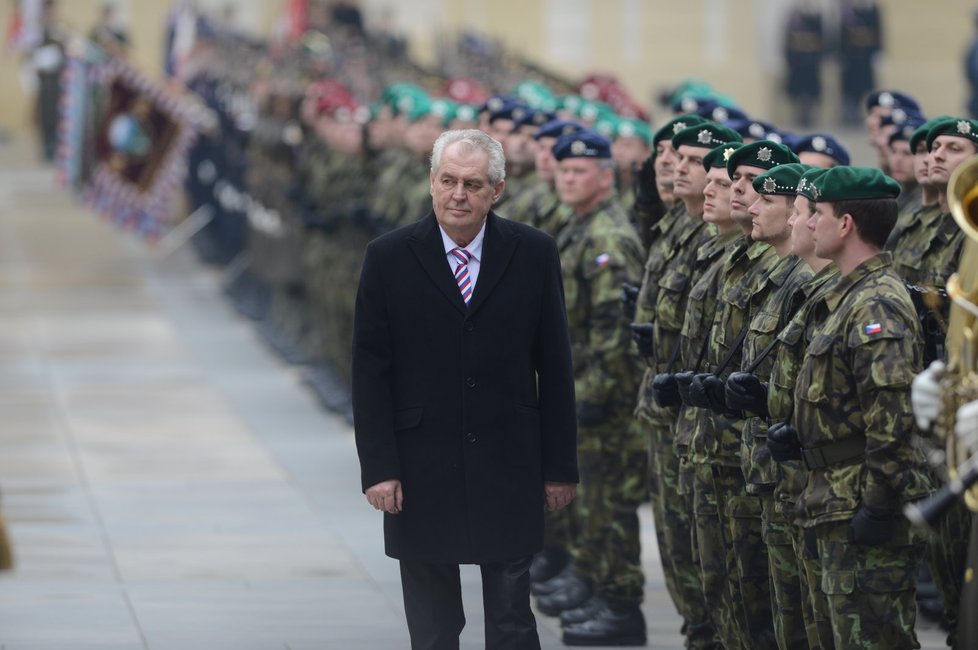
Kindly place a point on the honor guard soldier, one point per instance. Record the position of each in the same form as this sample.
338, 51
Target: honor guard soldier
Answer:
853, 419
599, 250
819, 150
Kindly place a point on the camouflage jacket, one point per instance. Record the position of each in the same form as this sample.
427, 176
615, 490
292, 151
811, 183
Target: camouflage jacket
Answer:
700, 308
540, 207
716, 437
930, 249
908, 204
598, 252
769, 318
793, 338
854, 381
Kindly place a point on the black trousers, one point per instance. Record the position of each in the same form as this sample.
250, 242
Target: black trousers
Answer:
433, 605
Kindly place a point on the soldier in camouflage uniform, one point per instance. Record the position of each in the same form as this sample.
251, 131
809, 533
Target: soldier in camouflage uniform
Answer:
853, 418
521, 147
927, 207
747, 390
728, 519
703, 618
819, 150
788, 353
669, 515
900, 159
929, 254
599, 250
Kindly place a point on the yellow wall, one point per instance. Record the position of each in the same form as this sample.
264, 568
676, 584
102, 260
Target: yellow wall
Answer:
650, 44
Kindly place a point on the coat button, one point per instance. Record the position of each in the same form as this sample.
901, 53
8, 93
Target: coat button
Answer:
470, 382
469, 326
471, 438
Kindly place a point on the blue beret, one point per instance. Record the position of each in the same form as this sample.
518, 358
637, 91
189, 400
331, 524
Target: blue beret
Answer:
557, 128
820, 143
583, 144
530, 117
891, 99
748, 128
899, 117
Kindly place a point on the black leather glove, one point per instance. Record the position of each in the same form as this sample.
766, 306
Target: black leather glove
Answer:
697, 391
683, 381
714, 388
629, 299
872, 527
590, 414
783, 442
642, 335
746, 392
646, 190
665, 390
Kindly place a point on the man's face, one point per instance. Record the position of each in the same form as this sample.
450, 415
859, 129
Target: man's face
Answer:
817, 159
946, 153
422, 133
716, 207
921, 164
690, 179
873, 119
520, 147
629, 151
665, 165
802, 243
769, 219
461, 194
544, 158
826, 227
743, 192
500, 129
581, 182
902, 162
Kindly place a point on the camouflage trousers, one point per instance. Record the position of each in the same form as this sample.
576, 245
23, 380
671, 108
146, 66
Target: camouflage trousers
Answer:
818, 626
609, 555
869, 591
733, 558
784, 566
672, 514
947, 553
561, 528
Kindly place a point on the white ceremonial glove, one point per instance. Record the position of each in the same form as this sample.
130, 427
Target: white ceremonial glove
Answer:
966, 426
925, 395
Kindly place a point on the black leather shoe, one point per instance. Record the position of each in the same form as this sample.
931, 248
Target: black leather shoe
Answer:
611, 626
586, 611
555, 583
547, 564
574, 594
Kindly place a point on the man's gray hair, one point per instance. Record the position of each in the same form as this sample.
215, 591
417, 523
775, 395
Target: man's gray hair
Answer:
472, 139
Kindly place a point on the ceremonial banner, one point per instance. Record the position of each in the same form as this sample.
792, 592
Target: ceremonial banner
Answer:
124, 142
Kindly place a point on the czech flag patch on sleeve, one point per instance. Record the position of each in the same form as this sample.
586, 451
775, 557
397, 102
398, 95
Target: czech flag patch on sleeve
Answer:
874, 328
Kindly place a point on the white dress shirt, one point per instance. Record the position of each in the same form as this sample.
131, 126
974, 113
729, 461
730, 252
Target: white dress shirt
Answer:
474, 248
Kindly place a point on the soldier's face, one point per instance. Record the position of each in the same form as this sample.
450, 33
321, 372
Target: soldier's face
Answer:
500, 129
582, 182
921, 164
743, 195
716, 207
629, 151
461, 194
769, 219
544, 159
826, 231
901, 162
946, 153
802, 243
690, 179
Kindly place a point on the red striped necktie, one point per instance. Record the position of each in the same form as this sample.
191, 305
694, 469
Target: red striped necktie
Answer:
462, 257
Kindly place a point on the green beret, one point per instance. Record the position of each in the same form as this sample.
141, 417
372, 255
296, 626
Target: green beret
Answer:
707, 135
782, 179
594, 110
920, 135
854, 183
444, 108
607, 126
632, 128
718, 156
765, 154
806, 184
959, 127
535, 94
467, 113
675, 125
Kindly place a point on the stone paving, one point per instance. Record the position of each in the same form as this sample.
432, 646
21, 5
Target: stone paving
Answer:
168, 482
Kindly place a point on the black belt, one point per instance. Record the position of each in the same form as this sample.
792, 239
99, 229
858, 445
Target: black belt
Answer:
835, 453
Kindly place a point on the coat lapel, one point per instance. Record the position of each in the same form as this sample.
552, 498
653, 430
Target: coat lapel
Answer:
497, 250
426, 243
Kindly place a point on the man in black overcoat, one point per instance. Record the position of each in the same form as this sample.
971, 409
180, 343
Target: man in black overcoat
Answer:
463, 397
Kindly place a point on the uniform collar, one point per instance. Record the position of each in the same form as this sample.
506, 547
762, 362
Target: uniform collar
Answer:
872, 266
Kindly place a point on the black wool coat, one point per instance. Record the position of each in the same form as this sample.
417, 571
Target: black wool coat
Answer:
471, 408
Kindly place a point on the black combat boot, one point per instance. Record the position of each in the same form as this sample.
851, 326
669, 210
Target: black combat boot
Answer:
613, 625
547, 564
572, 594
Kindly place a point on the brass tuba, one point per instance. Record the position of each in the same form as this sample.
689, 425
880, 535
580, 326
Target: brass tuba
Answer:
961, 381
